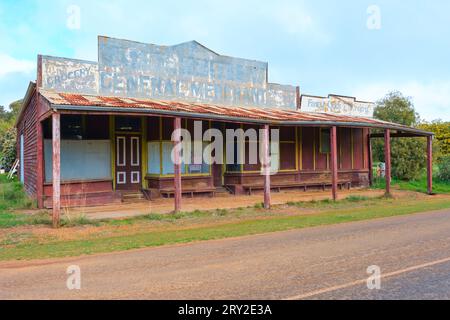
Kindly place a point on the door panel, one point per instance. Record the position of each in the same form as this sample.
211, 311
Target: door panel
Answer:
128, 162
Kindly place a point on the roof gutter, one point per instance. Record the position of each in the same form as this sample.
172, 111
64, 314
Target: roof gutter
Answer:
210, 116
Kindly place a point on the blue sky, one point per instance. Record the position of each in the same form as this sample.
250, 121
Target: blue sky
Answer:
322, 46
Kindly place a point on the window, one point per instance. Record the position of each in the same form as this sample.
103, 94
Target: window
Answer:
325, 141
197, 168
159, 149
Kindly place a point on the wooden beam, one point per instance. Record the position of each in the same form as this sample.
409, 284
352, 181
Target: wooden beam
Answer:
430, 165
370, 158
39, 166
177, 164
56, 157
396, 135
334, 163
266, 166
387, 160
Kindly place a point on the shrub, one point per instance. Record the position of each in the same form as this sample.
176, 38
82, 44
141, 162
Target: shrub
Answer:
444, 169
8, 148
408, 155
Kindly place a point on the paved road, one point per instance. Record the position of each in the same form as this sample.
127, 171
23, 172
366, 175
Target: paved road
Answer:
328, 262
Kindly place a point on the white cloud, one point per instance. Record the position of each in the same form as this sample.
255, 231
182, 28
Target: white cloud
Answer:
295, 19
431, 100
10, 64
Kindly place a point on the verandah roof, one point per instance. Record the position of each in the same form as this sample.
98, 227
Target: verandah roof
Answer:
94, 103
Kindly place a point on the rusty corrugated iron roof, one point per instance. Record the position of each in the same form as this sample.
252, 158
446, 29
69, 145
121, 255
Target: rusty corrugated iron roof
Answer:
70, 101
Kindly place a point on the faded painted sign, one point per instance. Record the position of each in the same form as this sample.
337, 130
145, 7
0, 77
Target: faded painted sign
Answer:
184, 72
337, 105
69, 75
187, 71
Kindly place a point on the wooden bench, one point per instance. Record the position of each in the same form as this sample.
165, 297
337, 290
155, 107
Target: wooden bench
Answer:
191, 191
278, 186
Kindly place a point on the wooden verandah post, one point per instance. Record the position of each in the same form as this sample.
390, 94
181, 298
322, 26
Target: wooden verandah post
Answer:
177, 166
430, 165
334, 162
56, 174
266, 166
370, 158
387, 160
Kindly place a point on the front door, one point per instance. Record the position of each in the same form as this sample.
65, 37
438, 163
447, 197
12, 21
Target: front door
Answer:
128, 162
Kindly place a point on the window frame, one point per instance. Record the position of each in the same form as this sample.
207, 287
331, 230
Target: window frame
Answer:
184, 167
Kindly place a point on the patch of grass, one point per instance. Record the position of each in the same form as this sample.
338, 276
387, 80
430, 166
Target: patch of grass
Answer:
79, 220
259, 205
12, 219
12, 195
419, 185
354, 200
8, 219
95, 244
357, 198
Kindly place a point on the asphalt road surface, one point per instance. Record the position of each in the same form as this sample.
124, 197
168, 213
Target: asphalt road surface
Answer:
412, 252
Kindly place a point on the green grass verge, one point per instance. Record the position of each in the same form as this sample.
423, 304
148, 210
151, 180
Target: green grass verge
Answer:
13, 197
419, 185
250, 227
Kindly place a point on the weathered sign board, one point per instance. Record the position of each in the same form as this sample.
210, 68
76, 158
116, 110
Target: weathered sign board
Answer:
339, 105
69, 75
184, 72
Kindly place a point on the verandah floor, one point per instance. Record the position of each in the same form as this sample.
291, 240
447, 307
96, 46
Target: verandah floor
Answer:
220, 201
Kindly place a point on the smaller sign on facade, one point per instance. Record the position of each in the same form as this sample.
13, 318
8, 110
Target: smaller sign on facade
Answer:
339, 105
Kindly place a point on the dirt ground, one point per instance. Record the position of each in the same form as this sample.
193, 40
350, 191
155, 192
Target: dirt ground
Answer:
121, 226
221, 201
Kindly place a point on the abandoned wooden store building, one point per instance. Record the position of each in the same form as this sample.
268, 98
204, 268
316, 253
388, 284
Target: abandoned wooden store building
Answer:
89, 133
